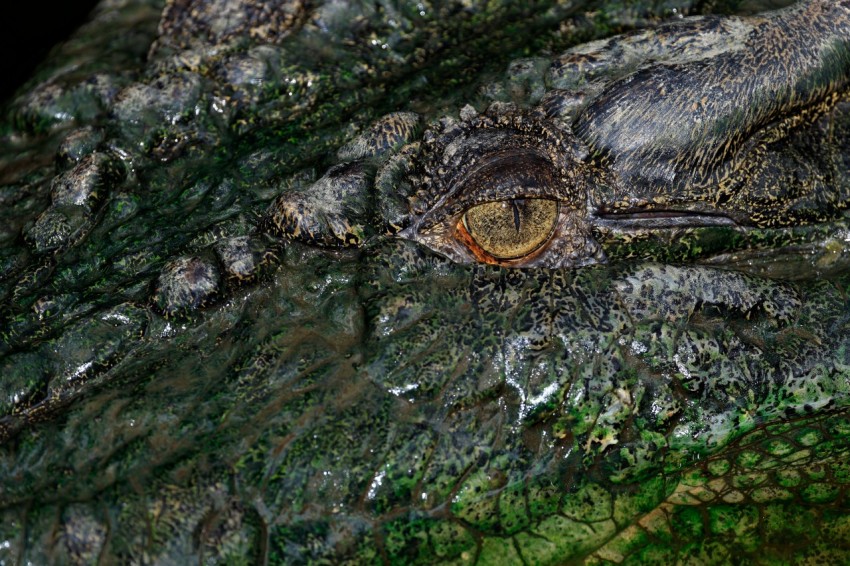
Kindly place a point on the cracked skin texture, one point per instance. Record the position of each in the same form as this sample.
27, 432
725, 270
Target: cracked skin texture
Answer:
188, 378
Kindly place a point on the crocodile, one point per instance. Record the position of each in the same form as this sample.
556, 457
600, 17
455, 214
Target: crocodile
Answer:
442, 282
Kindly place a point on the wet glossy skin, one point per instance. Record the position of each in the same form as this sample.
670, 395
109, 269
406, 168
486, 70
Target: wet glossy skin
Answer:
241, 322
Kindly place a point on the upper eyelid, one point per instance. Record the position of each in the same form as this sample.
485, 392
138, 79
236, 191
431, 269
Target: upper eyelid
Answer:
461, 198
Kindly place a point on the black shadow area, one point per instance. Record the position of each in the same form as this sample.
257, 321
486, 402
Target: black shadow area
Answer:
28, 30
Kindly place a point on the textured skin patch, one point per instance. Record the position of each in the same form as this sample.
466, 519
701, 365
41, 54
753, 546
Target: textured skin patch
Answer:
671, 131
190, 23
186, 284
674, 293
82, 537
167, 98
78, 144
87, 182
758, 520
75, 197
54, 230
385, 135
330, 212
242, 257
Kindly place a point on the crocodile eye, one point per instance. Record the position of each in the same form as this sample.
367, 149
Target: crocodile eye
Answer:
508, 229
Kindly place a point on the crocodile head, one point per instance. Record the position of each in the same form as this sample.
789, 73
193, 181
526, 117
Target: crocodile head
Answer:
271, 301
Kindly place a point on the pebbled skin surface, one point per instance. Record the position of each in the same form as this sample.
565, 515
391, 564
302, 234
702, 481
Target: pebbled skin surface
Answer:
232, 330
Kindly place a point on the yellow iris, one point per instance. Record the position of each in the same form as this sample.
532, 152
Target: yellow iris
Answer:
511, 229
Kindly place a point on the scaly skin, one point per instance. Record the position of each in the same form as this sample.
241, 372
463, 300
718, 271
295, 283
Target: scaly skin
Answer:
214, 350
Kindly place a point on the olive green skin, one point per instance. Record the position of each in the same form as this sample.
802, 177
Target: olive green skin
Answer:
187, 377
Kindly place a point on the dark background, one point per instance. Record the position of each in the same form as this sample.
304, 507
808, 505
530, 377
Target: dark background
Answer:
28, 29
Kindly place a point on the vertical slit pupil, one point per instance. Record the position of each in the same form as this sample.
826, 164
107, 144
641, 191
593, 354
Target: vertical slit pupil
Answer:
515, 207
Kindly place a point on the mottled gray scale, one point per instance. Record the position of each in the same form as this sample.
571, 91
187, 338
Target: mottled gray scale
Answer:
498, 292
706, 130
384, 136
87, 182
576, 323
49, 373
331, 212
393, 188
417, 361
294, 393
308, 464
245, 77
679, 290
82, 537
185, 285
414, 359
399, 312
464, 449
75, 195
170, 98
815, 384
436, 371
315, 541
696, 354
398, 262
725, 370
62, 100
165, 510
240, 256
197, 24
651, 341
53, 230
599, 308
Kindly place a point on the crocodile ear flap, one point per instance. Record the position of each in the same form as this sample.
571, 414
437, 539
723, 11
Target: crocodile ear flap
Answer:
331, 212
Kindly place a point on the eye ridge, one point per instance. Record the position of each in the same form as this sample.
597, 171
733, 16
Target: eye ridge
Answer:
508, 230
